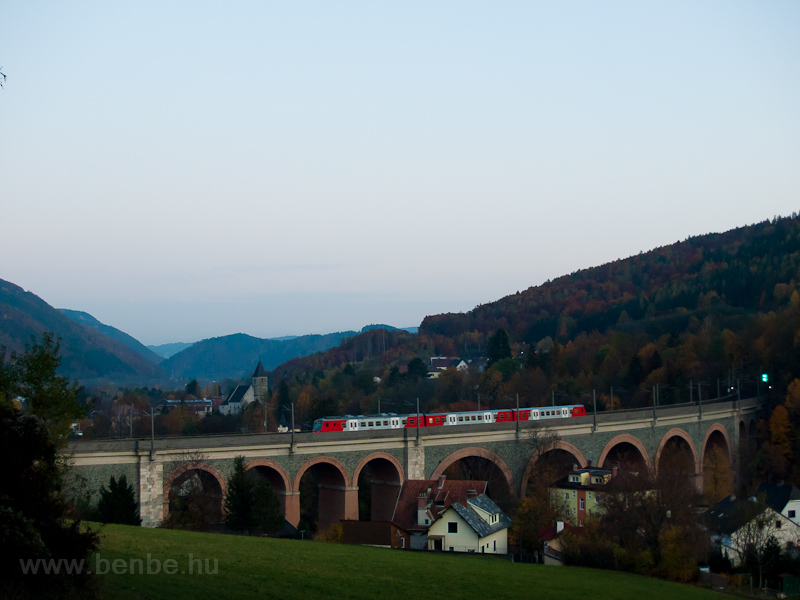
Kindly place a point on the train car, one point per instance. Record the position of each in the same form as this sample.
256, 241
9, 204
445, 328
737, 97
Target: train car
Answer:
329, 424
577, 410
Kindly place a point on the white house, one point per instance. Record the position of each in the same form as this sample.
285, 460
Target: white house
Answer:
475, 525
782, 498
737, 525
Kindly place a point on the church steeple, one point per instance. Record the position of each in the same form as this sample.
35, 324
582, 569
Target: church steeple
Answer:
260, 382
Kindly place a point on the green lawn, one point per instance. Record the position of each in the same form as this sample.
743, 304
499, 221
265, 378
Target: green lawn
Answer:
268, 568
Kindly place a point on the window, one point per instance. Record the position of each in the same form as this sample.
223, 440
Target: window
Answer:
590, 495
582, 507
574, 512
778, 524
791, 514
495, 544
566, 496
426, 521
452, 527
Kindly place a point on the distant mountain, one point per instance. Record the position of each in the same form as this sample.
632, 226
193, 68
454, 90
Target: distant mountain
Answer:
167, 350
389, 328
86, 353
113, 332
235, 356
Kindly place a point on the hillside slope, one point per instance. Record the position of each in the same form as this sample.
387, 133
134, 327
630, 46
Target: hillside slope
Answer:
86, 354
86, 319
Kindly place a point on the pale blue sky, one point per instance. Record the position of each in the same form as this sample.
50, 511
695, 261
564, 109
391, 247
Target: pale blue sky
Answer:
183, 170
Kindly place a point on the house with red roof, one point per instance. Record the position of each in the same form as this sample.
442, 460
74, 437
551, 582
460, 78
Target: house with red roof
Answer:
422, 502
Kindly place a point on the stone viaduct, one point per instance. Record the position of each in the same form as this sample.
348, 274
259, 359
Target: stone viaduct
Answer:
338, 459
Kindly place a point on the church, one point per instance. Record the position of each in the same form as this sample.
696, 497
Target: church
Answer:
243, 394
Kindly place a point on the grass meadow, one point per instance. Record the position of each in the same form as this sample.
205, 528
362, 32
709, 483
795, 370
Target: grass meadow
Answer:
250, 567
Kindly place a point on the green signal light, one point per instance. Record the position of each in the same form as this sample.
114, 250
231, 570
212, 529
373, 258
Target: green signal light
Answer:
764, 377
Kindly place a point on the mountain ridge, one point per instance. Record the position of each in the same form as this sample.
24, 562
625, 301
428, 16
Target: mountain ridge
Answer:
86, 353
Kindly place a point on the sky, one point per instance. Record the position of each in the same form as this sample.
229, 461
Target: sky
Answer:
185, 170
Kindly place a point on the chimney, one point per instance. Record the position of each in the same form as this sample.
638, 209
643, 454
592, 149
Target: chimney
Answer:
441, 481
559, 526
422, 510
574, 466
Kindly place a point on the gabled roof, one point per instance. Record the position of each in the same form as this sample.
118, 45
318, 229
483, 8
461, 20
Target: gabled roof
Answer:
731, 514
437, 499
778, 495
260, 371
566, 482
237, 394
476, 521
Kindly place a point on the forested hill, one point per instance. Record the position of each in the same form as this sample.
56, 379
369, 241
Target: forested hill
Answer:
112, 332
236, 356
86, 354
752, 268
711, 309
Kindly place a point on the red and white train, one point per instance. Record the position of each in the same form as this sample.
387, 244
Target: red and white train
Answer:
395, 421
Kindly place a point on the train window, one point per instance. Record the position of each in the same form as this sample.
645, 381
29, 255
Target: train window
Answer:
480, 417
363, 423
386, 422
460, 418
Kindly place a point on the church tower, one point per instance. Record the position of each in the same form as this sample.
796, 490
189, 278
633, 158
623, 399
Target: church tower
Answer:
260, 382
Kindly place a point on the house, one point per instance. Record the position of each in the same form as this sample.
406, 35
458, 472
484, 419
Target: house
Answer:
422, 501
439, 364
737, 524
475, 524
383, 534
242, 395
782, 498
550, 538
581, 490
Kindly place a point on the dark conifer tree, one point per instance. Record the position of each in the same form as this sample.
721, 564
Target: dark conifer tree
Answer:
239, 498
118, 503
498, 347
